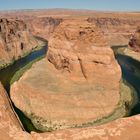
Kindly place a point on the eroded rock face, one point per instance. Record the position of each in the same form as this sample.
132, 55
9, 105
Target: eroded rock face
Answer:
15, 40
117, 30
134, 42
73, 85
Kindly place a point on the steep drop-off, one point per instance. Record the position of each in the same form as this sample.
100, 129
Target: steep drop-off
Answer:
15, 40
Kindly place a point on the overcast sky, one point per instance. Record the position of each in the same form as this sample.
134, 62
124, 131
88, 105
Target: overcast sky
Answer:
123, 5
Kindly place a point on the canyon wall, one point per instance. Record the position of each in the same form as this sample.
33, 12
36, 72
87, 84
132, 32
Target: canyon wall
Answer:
117, 30
43, 27
117, 26
15, 40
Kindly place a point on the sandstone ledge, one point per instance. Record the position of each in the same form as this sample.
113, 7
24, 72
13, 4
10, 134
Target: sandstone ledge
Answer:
15, 41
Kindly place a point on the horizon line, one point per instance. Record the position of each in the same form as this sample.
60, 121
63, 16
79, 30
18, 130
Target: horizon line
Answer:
78, 9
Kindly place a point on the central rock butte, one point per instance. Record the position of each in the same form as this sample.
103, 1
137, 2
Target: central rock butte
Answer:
77, 83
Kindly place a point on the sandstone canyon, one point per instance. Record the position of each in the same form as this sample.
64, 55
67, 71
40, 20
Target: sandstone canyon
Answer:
76, 91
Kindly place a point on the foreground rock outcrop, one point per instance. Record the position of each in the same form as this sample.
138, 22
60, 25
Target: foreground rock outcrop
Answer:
10, 128
122, 129
73, 85
15, 40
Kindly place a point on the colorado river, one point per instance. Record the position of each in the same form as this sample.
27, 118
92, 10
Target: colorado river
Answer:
6, 75
131, 73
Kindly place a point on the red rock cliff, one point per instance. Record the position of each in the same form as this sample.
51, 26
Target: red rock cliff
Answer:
15, 40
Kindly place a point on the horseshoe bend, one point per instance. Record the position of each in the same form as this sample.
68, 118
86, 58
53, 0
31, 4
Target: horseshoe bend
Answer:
69, 75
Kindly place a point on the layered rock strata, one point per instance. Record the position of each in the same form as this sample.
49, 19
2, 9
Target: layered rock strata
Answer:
73, 85
122, 129
134, 42
117, 30
43, 26
133, 49
15, 40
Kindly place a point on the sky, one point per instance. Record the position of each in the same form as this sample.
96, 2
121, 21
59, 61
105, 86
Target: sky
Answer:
111, 5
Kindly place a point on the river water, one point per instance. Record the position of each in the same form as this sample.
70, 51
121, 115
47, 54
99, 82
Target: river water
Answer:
131, 73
